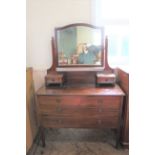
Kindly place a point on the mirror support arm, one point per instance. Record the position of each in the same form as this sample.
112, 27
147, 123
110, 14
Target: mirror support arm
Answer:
53, 67
107, 68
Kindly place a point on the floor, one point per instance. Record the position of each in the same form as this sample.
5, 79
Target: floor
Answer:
78, 142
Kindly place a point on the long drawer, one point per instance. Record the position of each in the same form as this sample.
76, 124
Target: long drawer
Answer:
109, 119
79, 111
78, 104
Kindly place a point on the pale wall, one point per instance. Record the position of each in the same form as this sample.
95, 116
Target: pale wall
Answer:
42, 17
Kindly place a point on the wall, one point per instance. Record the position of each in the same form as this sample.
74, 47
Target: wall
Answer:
42, 17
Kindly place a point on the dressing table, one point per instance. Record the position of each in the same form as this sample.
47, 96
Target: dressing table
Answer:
72, 96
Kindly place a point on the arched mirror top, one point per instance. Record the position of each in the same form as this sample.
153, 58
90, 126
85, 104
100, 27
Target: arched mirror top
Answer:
79, 46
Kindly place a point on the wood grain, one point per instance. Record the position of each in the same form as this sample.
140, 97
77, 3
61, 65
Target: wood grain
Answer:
31, 120
123, 81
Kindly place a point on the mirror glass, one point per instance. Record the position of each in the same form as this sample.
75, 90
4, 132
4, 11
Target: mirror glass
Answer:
79, 46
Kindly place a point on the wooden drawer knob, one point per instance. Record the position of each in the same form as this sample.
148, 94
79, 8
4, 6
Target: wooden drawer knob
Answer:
60, 121
45, 115
58, 100
58, 108
100, 101
100, 110
106, 79
99, 122
52, 80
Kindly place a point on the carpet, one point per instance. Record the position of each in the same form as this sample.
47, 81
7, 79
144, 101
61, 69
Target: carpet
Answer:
78, 142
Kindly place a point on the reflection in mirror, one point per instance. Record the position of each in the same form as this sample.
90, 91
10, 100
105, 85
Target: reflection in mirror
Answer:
79, 45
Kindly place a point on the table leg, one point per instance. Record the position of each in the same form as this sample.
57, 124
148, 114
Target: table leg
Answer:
42, 136
118, 138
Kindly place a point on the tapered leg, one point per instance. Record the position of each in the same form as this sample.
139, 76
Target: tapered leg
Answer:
42, 136
118, 138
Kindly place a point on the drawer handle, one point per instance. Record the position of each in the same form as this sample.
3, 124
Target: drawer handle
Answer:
58, 100
99, 122
106, 80
100, 110
58, 108
100, 101
60, 121
45, 115
53, 80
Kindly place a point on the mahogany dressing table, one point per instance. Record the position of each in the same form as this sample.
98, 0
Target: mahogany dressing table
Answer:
71, 97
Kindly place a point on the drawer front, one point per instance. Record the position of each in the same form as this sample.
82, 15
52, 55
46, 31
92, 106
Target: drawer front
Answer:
78, 104
105, 80
108, 120
55, 80
79, 111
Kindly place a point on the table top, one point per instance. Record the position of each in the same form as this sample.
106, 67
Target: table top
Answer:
82, 90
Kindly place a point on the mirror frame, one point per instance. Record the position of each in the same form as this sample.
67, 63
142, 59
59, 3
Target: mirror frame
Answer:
80, 66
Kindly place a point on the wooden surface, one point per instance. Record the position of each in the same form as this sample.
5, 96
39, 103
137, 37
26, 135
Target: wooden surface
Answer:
105, 78
54, 78
31, 122
82, 91
123, 80
29, 137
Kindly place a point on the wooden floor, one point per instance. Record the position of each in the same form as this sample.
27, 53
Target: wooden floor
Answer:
78, 142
